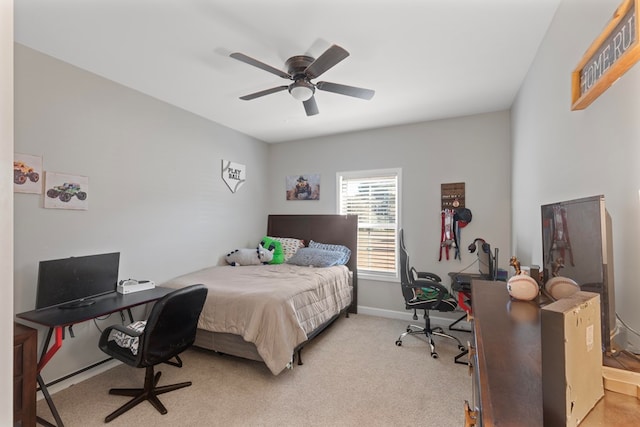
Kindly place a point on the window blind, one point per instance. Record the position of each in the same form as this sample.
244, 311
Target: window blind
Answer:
374, 198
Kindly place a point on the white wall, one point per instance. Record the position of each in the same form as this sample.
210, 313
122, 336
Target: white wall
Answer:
560, 154
6, 209
474, 150
155, 188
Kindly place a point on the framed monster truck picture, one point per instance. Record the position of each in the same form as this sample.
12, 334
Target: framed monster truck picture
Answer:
64, 191
27, 171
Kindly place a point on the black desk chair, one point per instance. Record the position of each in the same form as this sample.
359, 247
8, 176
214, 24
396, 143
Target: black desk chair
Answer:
170, 330
423, 291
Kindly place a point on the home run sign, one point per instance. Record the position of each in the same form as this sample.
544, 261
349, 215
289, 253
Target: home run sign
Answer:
608, 58
233, 174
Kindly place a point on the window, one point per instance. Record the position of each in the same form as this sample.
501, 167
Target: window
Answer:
374, 197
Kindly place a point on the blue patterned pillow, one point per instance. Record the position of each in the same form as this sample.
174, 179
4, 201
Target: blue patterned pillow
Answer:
345, 251
314, 257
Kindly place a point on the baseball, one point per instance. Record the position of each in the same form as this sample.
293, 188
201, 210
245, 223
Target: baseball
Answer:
523, 287
561, 287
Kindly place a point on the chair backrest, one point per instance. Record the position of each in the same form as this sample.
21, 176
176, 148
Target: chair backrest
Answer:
406, 280
171, 326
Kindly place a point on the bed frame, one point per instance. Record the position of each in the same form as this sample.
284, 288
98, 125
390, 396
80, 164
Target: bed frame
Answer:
334, 229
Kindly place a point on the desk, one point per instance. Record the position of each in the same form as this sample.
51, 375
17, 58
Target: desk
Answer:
508, 366
461, 283
57, 319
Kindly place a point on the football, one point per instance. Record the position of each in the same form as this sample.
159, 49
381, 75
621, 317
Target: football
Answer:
561, 287
523, 287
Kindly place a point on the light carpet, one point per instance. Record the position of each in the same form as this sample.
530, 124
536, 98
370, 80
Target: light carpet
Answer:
353, 375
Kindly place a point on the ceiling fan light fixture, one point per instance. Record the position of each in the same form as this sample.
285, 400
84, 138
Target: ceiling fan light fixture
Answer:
301, 90
302, 69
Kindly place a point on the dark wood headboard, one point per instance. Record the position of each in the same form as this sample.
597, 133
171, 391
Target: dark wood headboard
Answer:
334, 229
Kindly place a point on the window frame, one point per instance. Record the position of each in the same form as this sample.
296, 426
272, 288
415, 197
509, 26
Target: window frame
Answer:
372, 173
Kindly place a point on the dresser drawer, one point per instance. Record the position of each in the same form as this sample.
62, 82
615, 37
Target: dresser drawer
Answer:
24, 375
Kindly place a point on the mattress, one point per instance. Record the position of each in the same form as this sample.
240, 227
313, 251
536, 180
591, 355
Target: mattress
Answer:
275, 307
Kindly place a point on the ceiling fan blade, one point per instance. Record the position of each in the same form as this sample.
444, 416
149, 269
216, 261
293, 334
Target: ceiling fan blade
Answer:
248, 60
263, 93
328, 59
311, 107
356, 92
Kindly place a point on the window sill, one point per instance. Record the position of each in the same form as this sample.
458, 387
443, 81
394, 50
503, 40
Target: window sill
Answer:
378, 277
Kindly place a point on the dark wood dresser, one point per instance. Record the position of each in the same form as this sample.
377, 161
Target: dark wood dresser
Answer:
506, 357
25, 365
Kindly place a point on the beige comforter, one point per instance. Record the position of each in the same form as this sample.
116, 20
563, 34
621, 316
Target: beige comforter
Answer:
272, 306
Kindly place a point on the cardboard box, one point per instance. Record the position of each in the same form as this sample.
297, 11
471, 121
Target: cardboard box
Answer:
571, 358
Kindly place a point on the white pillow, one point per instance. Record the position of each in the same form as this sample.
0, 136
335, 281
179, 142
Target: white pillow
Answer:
289, 245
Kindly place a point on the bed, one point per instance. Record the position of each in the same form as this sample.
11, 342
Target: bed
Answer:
269, 312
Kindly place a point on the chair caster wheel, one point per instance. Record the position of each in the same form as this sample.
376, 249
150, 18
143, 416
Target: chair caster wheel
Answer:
408, 329
434, 355
399, 343
461, 348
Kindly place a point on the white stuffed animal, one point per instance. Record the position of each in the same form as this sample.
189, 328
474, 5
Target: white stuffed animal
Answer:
256, 256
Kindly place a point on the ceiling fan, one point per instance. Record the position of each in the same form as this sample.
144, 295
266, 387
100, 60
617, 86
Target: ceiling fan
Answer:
302, 69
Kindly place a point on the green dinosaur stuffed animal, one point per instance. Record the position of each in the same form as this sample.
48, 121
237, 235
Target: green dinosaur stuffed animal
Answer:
278, 253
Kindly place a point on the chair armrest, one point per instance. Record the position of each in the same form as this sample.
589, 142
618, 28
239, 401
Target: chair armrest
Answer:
124, 329
104, 336
115, 350
441, 290
428, 275
425, 275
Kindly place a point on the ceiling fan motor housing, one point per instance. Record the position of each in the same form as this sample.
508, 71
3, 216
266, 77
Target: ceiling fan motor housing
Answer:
301, 88
296, 65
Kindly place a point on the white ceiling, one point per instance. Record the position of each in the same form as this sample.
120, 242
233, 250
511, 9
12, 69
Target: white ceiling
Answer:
426, 59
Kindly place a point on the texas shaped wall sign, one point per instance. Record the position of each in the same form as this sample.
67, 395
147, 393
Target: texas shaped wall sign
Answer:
233, 174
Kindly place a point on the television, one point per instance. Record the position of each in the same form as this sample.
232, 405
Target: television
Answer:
576, 236
75, 282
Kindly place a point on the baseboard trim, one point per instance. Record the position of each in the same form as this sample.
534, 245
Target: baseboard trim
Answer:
440, 319
75, 379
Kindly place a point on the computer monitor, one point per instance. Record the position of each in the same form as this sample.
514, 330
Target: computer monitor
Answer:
485, 261
74, 282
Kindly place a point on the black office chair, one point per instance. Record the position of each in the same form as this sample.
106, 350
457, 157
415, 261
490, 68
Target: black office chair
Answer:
170, 330
423, 291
